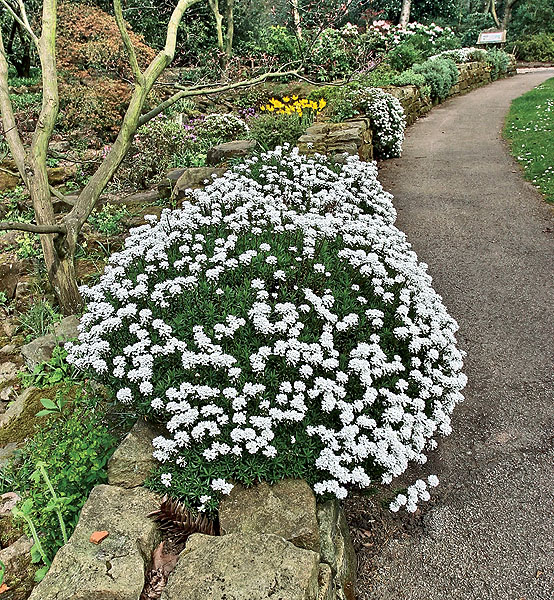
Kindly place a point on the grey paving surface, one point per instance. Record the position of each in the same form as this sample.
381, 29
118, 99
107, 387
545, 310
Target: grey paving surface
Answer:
487, 237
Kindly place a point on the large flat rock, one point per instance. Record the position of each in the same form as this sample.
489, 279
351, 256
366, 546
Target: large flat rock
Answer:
133, 461
243, 566
286, 509
114, 569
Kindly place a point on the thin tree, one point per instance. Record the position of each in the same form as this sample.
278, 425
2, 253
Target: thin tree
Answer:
405, 13
59, 238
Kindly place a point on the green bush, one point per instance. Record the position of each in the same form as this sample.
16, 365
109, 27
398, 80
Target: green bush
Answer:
408, 77
404, 57
272, 130
539, 47
499, 62
75, 448
440, 75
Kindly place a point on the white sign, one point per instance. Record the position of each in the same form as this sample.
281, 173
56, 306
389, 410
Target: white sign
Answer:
492, 37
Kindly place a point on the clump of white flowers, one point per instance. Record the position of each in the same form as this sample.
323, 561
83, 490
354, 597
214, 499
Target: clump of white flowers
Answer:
224, 126
463, 55
387, 118
278, 325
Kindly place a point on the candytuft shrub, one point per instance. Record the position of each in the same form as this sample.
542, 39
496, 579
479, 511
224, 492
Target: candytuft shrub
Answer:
278, 325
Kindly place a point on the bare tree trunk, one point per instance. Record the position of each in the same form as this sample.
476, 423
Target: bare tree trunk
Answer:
230, 33
214, 5
493, 13
405, 13
510, 4
296, 19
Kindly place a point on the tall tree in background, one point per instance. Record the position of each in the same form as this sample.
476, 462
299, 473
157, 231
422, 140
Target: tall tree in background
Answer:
405, 12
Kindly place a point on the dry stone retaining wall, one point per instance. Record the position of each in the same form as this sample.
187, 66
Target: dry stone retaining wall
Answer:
355, 136
276, 542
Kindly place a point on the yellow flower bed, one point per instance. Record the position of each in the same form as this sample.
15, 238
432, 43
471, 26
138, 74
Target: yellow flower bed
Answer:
294, 105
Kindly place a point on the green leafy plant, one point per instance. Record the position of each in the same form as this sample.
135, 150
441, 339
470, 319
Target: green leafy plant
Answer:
28, 246
404, 56
440, 75
52, 407
499, 62
55, 471
271, 130
56, 370
108, 219
39, 319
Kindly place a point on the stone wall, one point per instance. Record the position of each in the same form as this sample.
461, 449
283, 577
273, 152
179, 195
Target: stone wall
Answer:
352, 137
355, 136
275, 542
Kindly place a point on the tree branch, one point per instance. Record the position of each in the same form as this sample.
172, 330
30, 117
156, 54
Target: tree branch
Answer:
131, 53
23, 21
8, 119
30, 227
187, 92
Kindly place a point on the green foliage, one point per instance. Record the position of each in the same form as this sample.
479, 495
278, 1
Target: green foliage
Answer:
52, 372
108, 219
440, 75
15, 81
73, 450
404, 56
38, 320
530, 17
499, 62
538, 47
469, 25
29, 101
272, 130
408, 77
276, 41
529, 128
28, 246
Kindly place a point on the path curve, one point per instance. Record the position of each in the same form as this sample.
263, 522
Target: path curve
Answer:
487, 237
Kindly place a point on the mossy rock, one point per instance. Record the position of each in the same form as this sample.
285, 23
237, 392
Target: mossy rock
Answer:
9, 532
23, 424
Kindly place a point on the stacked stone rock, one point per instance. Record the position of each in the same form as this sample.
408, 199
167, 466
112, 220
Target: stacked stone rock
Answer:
275, 542
351, 137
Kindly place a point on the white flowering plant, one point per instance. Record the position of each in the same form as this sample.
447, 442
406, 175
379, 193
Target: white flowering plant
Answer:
463, 55
278, 325
223, 127
387, 118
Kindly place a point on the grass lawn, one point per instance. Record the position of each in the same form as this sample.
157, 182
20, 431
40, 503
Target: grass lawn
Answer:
530, 129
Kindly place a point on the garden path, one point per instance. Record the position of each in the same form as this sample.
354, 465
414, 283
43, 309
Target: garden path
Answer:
488, 238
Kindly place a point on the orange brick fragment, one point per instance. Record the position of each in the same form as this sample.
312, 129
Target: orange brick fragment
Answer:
98, 537
3, 588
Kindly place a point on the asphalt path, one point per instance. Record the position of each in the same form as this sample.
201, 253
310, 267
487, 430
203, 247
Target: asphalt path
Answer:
488, 237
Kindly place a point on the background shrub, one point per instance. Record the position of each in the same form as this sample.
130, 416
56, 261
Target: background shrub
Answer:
539, 47
440, 75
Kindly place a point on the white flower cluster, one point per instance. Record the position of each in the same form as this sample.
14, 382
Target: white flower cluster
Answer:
278, 316
394, 35
415, 493
462, 55
387, 117
226, 126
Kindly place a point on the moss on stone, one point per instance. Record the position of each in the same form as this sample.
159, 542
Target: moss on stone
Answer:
23, 426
